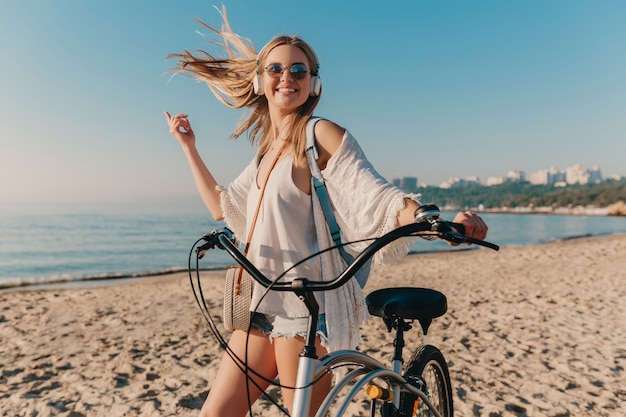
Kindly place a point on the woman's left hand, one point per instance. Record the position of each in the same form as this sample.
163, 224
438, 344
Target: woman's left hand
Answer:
475, 227
180, 129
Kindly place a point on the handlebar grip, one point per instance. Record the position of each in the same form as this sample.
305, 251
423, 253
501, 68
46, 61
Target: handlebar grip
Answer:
458, 226
212, 240
459, 236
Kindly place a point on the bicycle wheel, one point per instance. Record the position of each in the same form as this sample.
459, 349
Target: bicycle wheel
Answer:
427, 370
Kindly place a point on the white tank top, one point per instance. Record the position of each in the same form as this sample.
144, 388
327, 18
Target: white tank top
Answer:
284, 235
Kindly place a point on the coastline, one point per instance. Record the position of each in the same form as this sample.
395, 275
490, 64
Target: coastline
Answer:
133, 247
530, 330
568, 211
102, 280
46, 283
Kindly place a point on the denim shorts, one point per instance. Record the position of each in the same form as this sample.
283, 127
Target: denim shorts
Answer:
278, 326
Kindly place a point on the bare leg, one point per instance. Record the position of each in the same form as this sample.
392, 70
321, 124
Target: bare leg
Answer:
287, 352
227, 396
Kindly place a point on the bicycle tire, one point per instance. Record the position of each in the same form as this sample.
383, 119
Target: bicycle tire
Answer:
427, 370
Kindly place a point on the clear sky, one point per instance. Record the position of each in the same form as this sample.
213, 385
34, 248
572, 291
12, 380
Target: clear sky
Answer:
431, 89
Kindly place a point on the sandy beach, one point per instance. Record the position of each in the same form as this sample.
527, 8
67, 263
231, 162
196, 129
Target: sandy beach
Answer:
530, 331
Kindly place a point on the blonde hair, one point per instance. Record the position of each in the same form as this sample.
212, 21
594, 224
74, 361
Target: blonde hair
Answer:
231, 78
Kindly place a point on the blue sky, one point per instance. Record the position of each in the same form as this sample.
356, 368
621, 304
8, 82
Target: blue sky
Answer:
431, 89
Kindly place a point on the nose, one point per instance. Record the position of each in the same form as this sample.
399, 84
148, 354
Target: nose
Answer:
285, 74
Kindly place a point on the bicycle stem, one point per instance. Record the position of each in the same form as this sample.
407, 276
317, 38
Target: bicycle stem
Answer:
307, 297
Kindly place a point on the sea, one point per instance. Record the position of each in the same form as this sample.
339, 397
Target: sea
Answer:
67, 244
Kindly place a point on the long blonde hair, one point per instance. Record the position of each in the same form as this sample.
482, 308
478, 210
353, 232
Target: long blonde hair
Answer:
231, 78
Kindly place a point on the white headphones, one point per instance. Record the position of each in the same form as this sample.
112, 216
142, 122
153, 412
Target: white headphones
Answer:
315, 88
258, 83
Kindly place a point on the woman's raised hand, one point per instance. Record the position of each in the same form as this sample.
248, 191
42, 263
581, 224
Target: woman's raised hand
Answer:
180, 129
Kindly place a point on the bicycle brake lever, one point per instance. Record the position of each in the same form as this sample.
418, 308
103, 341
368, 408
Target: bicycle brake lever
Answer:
481, 243
212, 241
459, 236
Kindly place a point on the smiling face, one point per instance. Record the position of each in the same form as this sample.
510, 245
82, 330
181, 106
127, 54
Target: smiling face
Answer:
286, 93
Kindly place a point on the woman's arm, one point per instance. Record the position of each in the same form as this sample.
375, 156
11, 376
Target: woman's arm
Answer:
181, 130
329, 137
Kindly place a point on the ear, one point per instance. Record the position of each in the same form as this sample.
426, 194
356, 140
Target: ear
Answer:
316, 86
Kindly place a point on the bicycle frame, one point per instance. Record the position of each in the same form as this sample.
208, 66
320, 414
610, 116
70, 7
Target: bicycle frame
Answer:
310, 368
369, 369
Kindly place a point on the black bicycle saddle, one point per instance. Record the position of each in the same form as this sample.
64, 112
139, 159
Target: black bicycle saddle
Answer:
423, 304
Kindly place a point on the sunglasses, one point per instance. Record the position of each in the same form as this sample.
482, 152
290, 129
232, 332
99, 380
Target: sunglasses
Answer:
296, 71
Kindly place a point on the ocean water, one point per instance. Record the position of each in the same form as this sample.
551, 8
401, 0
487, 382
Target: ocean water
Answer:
43, 244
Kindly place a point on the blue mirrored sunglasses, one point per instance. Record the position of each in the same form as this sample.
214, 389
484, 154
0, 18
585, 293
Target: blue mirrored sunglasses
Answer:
296, 71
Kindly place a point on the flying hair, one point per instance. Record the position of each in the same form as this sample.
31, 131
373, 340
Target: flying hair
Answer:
230, 77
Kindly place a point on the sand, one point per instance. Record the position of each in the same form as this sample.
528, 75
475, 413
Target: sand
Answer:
530, 331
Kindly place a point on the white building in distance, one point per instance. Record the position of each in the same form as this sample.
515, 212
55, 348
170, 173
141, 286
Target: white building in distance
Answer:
513, 176
576, 174
459, 182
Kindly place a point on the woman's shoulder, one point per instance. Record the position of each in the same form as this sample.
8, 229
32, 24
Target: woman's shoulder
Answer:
329, 137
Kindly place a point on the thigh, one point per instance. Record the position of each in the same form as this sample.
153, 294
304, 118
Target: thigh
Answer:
287, 350
227, 395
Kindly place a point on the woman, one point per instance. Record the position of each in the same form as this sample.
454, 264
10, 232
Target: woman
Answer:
281, 87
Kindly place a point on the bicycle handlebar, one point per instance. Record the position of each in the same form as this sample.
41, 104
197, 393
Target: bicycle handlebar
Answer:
224, 239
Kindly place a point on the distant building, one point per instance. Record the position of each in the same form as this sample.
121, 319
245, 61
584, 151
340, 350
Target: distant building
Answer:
406, 183
459, 183
495, 180
539, 177
513, 176
576, 174
516, 176
595, 176
555, 175
547, 176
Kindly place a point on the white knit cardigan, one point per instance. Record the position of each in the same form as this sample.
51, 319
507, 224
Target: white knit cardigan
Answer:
365, 205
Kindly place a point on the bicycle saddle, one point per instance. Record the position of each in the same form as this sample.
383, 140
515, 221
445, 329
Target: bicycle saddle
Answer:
423, 304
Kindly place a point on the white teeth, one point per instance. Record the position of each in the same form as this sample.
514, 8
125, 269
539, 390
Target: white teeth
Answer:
286, 90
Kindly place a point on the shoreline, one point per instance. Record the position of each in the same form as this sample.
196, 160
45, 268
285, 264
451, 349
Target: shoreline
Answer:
26, 284
562, 211
530, 330
33, 284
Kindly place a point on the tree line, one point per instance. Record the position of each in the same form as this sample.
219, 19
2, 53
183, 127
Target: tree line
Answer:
524, 194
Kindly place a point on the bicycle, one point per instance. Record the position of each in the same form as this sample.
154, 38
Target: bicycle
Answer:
423, 388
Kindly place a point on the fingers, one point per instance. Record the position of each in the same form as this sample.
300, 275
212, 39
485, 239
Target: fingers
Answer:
474, 225
178, 123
